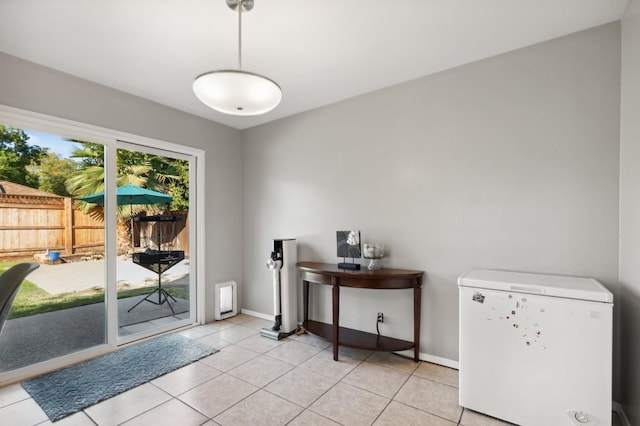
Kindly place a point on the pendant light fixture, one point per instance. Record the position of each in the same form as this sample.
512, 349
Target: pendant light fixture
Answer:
237, 92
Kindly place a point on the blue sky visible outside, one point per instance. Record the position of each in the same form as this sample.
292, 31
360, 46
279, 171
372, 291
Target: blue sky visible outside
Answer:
55, 144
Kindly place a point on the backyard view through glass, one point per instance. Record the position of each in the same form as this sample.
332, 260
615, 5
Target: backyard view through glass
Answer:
153, 241
59, 309
52, 212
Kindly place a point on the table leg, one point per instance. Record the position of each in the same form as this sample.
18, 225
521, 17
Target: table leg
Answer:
417, 301
305, 301
336, 316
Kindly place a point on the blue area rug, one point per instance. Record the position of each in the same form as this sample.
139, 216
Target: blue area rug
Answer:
72, 389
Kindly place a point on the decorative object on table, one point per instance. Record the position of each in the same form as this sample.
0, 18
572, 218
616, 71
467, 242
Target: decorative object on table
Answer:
64, 392
348, 246
375, 253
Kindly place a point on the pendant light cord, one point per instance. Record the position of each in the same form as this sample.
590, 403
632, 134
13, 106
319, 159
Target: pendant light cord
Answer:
240, 2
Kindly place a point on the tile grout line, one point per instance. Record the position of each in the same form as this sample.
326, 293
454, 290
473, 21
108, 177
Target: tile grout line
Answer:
171, 397
257, 387
395, 393
238, 402
308, 408
328, 390
320, 350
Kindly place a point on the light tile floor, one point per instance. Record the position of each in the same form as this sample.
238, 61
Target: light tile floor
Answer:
258, 381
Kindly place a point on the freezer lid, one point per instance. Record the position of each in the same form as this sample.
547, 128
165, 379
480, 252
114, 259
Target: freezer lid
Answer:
541, 284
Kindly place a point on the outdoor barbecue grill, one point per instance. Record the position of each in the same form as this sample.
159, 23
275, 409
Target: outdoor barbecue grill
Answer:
159, 261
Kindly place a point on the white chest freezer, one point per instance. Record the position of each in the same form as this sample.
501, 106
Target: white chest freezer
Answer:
536, 350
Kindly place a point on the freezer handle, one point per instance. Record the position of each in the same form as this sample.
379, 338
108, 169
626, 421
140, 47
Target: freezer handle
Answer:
526, 289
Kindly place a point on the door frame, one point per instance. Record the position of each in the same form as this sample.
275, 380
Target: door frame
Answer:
193, 237
111, 139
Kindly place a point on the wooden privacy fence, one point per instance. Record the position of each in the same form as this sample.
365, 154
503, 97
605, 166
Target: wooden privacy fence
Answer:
32, 224
163, 235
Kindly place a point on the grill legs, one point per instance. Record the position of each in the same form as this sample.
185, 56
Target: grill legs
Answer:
163, 296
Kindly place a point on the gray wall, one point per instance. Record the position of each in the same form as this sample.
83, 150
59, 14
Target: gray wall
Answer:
35, 88
629, 300
510, 163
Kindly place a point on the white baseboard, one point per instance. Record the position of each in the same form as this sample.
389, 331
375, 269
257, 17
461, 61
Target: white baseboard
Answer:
445, 362
409, 354
257, 314
441, 361
621, 414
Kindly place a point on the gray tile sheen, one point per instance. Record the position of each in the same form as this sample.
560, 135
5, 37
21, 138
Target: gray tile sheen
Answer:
255, 380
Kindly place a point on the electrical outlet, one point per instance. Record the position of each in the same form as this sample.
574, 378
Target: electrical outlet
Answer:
380, 317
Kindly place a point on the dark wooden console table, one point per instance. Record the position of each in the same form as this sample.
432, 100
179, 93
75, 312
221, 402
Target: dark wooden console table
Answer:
383, 279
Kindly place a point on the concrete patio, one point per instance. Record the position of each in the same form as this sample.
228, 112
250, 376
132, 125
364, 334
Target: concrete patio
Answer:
86, 275
29, 340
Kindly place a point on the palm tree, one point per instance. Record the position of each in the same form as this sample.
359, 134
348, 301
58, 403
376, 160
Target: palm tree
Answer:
132, 167
154, 172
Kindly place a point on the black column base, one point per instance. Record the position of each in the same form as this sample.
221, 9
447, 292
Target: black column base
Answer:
349, 266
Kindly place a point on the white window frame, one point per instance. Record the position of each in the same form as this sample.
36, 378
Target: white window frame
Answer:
111, 139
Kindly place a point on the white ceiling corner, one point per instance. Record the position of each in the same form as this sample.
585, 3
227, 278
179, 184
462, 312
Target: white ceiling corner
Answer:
318, 51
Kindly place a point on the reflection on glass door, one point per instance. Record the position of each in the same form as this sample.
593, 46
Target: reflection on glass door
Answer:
52, 198
60, 307
153, 268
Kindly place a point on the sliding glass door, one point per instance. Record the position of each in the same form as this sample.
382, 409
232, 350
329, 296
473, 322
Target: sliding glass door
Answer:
60, 307
154, 251
112, 225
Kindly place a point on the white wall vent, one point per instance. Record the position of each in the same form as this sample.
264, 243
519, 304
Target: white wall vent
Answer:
226, 300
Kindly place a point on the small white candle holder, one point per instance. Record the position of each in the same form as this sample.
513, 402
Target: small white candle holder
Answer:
375, 253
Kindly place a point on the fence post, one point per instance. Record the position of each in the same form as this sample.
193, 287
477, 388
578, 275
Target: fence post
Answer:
68, 226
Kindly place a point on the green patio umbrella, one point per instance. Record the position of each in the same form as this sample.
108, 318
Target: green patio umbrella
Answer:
130, 194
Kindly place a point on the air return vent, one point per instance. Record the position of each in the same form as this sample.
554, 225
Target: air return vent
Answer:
226, 303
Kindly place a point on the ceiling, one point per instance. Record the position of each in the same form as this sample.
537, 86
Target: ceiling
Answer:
318, 51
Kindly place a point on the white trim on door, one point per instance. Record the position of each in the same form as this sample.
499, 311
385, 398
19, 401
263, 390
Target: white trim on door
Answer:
23, 119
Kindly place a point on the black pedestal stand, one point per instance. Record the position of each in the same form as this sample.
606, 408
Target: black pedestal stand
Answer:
163, 296
350, 266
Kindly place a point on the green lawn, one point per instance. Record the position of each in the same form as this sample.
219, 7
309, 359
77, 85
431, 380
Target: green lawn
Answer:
32, 300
